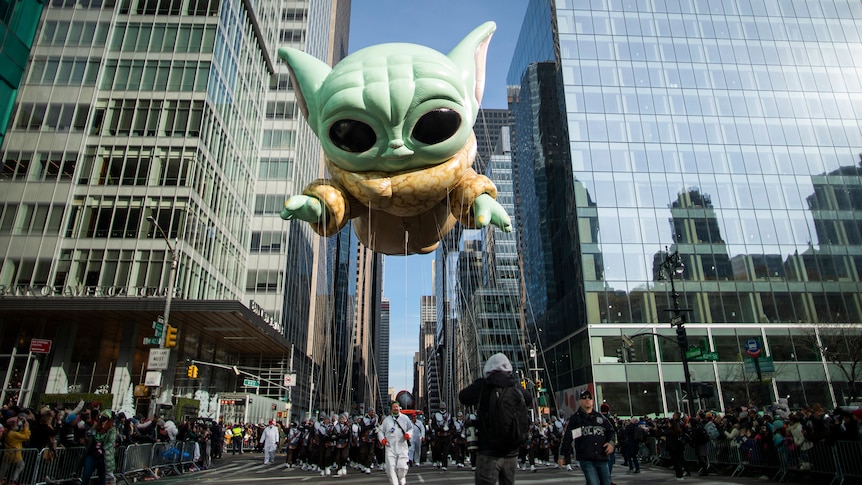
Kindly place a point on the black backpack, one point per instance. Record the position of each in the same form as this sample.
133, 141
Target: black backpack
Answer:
506, 420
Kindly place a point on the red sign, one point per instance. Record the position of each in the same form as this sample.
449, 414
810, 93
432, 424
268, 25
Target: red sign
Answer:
40, 346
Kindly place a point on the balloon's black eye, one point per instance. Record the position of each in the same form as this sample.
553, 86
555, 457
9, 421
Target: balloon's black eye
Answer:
436, 126
352, 136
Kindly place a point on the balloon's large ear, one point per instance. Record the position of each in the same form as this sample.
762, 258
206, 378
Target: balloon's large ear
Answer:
470, 55
307, 74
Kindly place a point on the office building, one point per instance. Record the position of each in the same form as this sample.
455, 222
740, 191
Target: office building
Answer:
728, 132
18, 22
151, 147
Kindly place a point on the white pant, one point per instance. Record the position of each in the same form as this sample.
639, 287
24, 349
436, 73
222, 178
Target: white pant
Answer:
396, 468
268, 455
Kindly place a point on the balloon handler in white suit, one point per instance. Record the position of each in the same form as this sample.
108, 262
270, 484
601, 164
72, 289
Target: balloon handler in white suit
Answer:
395, 435
269, 438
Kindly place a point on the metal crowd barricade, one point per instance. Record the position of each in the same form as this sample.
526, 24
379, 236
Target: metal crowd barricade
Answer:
135, 460
187, 456
723, 455
822, 460
835, 464
18, 463
166, 456
60, 465
847, 456
758, 459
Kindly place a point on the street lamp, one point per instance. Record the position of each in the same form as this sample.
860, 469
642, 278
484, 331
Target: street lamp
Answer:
170, 278
169, 377
671, 268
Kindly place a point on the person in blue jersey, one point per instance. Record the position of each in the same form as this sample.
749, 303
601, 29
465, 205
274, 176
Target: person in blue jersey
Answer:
593, 436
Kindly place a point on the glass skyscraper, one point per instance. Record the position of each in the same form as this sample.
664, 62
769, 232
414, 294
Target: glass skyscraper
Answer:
726, 131
19, 20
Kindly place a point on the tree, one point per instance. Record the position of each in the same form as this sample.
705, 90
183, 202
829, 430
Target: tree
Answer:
203, 397
127, 405
841, 346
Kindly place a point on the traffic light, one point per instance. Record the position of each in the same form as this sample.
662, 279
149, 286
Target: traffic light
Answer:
523, 383
621, 355
538, 384
192, 371
681, 338
632, 355
171, 337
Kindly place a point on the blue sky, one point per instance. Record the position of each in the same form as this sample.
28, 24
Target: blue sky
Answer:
439, 25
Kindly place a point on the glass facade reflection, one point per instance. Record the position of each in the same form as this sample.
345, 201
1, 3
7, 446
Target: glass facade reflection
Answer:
725, 130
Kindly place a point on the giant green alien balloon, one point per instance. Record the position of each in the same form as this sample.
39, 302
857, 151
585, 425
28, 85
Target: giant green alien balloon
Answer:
396, 125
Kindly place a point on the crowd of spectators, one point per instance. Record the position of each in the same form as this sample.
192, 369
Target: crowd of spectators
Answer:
757, 433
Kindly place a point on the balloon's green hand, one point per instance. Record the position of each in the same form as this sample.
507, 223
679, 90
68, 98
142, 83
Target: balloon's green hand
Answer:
302, 207
489, 211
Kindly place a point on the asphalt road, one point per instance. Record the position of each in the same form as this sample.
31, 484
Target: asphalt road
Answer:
249, 468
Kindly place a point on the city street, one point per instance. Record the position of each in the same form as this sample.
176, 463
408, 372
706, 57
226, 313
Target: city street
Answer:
249, 468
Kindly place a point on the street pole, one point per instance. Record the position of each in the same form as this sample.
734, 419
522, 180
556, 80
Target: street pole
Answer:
672, 267
290, 390
168, 378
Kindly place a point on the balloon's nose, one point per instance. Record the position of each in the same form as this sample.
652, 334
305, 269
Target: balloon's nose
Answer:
397, 150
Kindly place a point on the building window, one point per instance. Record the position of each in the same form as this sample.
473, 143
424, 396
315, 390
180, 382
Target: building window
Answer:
268, 242
275, 169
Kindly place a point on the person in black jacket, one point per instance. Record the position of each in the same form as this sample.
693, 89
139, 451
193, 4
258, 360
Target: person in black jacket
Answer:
494, 464
593, 435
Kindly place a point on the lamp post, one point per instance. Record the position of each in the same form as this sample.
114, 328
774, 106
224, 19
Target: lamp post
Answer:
170, 278
671, 268
169, 377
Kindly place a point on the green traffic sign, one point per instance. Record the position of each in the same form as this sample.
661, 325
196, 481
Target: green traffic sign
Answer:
693, 353
705, 357
250, 383
151, 341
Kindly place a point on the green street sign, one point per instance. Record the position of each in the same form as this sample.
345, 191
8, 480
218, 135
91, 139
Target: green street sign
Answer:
151, 340
250, 383
766, 364
693, 353
705, 357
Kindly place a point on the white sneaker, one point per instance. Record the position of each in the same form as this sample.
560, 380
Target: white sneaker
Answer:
367, 471
533, 468
443, 468
322, 473
460, 465
328, 472
568, 468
